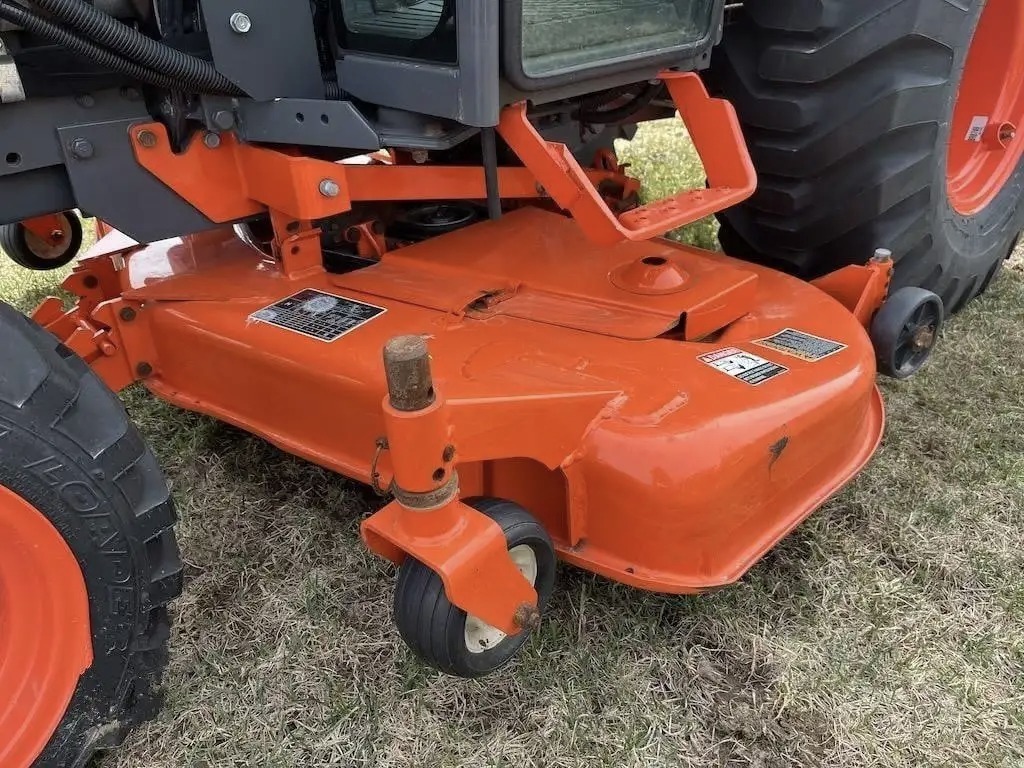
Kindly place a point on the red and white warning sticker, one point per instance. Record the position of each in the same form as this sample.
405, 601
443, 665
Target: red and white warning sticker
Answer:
745, 366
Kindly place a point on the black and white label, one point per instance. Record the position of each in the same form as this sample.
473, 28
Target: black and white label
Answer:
318, 315
805, 346
977, 129
745, 366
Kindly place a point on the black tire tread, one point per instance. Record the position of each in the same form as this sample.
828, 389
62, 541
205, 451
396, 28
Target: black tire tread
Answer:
58, 397
841, 104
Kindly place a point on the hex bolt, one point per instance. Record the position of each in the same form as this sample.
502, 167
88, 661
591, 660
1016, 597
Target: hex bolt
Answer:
407, 369
882, 256
146, 138
223, 120
419, 156
144, 370
329, 188
449, 453
211, 140
240, 23
127, 314
1007, 133
82, 148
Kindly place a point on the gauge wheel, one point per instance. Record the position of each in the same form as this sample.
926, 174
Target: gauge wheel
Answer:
905, 331
39, 251
446, 637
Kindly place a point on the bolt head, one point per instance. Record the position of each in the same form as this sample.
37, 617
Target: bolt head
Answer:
329, 188
82, 149
223, 120
127, 314
211, 140
146, 138
882, 256
143, 370
240, 23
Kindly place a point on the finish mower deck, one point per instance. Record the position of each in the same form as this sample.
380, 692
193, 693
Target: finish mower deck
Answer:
651, 412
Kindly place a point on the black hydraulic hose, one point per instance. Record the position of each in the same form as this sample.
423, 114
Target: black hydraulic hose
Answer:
190, 72
37, 25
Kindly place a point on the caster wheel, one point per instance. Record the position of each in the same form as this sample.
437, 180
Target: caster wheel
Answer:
33, 251
446, 637
905, 330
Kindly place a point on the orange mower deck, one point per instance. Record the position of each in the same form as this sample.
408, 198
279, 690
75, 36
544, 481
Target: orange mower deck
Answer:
595, 386
663, 415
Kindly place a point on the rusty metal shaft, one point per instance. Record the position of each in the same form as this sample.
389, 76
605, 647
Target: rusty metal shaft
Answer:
407, 368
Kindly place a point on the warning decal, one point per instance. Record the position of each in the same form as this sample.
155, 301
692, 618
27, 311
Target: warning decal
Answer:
977, 130
318, 315
805, 346
742, 365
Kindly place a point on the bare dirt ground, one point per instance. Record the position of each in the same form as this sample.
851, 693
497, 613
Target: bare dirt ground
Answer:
888, 630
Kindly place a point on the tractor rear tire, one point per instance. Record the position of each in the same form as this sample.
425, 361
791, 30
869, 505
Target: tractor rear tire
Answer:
847, 109
84, 493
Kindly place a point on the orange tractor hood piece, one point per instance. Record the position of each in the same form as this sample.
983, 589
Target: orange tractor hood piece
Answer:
629, 396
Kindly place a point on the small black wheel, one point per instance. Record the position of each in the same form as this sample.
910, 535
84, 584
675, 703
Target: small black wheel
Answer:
905, 331
34, 252
446, 637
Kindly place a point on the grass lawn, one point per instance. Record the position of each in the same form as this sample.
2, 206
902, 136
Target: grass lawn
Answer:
888, 630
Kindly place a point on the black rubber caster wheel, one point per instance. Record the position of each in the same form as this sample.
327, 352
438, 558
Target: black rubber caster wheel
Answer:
905, 331
34, 252
446, 637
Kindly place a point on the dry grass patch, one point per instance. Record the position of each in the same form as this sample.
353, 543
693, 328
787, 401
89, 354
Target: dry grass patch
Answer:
886, 631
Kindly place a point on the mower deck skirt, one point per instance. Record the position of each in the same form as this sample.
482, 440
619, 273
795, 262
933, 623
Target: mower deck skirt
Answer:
646, 463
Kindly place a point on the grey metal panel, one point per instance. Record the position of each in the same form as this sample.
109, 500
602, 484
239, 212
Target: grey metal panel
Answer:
479, 44
28, 129
35, 193
306, 122
425, 88
114, 187
467, 93
276, 58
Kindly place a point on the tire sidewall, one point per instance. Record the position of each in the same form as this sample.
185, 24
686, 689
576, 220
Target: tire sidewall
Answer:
93, 518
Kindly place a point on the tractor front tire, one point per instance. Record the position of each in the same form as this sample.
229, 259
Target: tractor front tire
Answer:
88, 558
849, 110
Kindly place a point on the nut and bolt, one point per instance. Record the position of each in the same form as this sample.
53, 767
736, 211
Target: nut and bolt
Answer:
223, 120
127, 314
146, 138
143, 370
240, 23
419, 156
882, 256
924, 338
329, 188
211, 140
82, 148
449, 453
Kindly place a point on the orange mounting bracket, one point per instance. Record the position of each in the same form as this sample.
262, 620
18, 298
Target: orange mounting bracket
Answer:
716, 135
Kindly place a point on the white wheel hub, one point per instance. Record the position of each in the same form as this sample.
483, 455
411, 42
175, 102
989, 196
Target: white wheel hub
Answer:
481, 636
